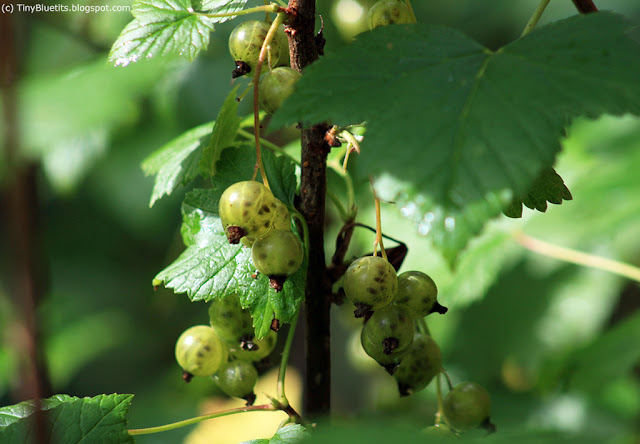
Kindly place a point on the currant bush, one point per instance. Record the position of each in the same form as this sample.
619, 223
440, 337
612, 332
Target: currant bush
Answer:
246, 209
237, 378
421, 364
467, 406
387, 12
418, 293
276, 86
199, 351
370, 283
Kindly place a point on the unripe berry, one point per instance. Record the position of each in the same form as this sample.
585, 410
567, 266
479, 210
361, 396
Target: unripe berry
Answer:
392, 327
237, 378
387, 12
278, 254
276, 86
199, 351
246, 209
246, 41
370, 283
260, 350
418, 293
232, 324
467, 406
421, 364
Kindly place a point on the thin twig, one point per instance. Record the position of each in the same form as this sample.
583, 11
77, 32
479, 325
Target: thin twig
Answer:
578, 257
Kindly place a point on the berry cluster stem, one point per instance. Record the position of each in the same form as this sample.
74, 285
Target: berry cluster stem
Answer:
378, 241
533, 21
578, 257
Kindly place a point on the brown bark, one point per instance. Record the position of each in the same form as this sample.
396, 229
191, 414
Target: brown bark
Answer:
317, 392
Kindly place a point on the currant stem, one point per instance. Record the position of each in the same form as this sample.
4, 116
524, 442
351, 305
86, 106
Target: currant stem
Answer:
286, 352
269, 145
440, 414
197, 419
578, 257
533, 21
256, 84
422, 326
378, 241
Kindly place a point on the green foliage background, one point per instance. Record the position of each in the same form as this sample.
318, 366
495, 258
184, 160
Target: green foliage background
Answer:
556, 345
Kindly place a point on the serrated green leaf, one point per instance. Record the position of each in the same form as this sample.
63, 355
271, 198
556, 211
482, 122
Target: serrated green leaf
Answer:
547, 187
224, 133
449, 228
70, 419
286, 435
222, 7
176, 163
470, 122
169, 27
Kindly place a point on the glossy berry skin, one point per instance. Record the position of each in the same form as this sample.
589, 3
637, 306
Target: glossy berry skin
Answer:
417, 292
279, 253
421, 364
248, 205
387, 12
232, 324
389, 361
467, 406
246, 41
237, 378
262, 349
276, 86
391, 326
370, 283
199, 351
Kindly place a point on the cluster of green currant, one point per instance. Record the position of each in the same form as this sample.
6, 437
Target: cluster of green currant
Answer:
395, 336
387, 12
245, 43
225, 350
252, 214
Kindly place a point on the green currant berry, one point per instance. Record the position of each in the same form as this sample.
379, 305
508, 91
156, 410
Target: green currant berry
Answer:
370, 283
246, 209
246, 41
232, 324
391, 326
378, 352
387, 12
417, 292
276, 86
421, 364
237, 378
199, 351
467, 406
278, 254
262, 348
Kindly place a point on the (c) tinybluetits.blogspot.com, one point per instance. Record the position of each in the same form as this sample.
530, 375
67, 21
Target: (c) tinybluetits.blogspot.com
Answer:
41, 7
